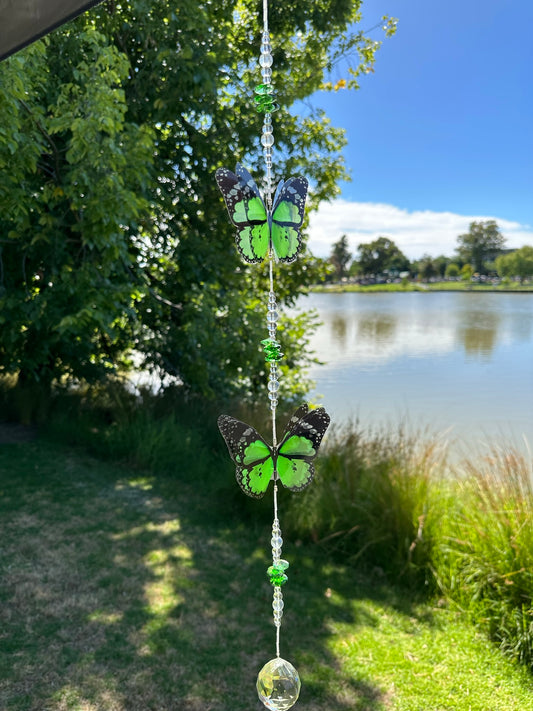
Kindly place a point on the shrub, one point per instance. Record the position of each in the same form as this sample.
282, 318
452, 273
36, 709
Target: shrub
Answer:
485, 560
375, 501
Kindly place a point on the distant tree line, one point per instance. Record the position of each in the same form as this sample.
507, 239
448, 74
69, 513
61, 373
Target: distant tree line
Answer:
480, 251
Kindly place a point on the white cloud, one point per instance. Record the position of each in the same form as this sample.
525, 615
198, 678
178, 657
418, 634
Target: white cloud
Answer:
415, 233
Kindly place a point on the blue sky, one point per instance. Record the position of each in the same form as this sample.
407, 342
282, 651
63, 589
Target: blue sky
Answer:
441, 133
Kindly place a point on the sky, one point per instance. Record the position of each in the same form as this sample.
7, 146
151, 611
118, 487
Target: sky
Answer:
441, 133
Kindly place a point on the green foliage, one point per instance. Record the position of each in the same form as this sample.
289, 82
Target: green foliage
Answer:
372, 503
440, 263
466, 272
516, 264
426, 267
378, 502
485, 560
74, 173
481, 243
452, 270
381, 255
149, 589
113, 235
340, 256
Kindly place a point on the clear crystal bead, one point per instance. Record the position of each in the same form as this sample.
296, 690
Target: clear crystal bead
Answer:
266, 73
276, 541
278, 685
272, 316
267, 139
273, 386
265, 60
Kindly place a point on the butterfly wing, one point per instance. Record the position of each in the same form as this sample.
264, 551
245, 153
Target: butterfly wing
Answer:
250, 453
247, 212
287, 217
300, 413
299, 447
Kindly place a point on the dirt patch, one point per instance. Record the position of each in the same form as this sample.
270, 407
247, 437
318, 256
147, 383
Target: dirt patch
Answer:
13, 433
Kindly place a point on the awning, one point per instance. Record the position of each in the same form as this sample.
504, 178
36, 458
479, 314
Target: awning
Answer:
24, 21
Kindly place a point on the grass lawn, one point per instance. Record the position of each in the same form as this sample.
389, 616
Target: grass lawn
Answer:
120, 592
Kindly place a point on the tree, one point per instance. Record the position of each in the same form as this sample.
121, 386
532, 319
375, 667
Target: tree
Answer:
466, 272
380, 256
440, 263
426, 267
452, 271
112, 230
340, 256
482, 242
73, 190
516, 264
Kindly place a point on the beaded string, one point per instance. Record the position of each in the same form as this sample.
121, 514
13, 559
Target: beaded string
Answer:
265, 104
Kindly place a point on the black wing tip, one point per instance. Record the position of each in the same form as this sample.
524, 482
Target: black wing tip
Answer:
289, 260
248, 492
248, 260
307, 409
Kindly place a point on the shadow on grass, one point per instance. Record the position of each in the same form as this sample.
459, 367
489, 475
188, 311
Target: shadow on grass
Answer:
123, 593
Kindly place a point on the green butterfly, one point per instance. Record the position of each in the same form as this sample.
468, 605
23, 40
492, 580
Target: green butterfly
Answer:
258, 229
291, 461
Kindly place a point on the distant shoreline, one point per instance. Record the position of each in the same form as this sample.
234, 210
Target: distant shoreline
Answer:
422, 288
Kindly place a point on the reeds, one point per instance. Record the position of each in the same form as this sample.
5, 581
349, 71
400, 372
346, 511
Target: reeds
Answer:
387, 502
372, 501
485, 551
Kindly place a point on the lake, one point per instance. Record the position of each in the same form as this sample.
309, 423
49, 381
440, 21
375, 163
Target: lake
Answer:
461, 363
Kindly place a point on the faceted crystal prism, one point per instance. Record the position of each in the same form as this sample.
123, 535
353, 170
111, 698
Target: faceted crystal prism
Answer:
278, 685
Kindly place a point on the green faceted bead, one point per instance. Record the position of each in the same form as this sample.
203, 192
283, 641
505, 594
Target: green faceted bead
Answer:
276, 575
264, 89
282, 564
278, 579
272, 349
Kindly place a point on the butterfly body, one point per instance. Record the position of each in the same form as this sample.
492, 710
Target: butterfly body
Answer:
291, 461
260, 229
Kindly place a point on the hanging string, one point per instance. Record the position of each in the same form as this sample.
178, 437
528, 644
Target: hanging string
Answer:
278, 682
265, 104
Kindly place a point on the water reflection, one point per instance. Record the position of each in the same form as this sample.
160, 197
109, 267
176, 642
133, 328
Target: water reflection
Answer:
459, 361
379, 328
477, 331
373, 328
339, 329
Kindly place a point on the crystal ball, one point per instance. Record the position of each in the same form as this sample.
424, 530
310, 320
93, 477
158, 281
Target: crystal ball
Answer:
278, 685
